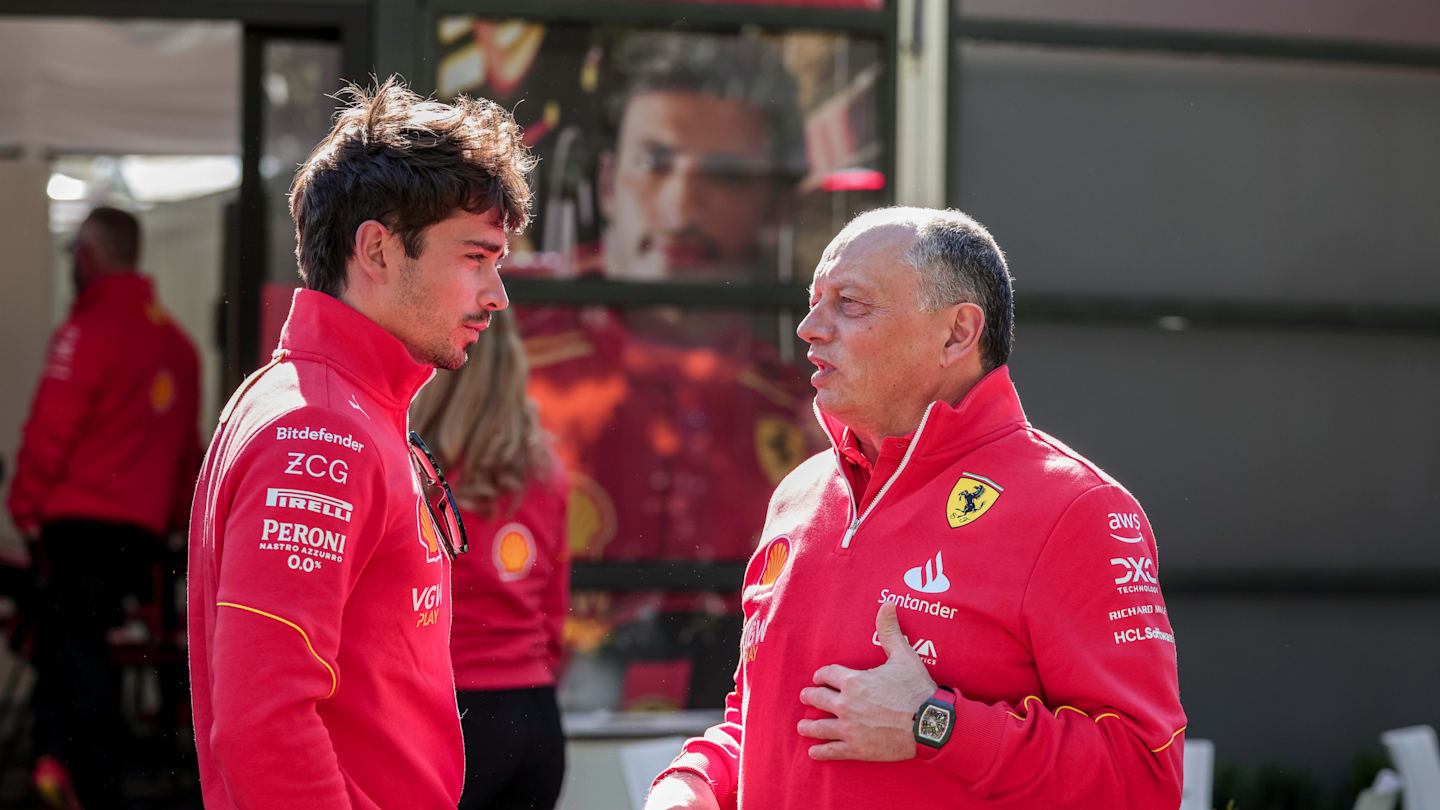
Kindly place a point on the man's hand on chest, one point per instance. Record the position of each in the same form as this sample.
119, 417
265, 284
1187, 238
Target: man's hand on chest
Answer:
873, 708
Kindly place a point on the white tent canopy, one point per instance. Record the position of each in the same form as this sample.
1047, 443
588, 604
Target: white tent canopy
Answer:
119, 87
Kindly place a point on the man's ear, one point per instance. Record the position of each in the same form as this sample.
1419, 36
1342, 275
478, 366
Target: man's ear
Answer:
375, 256
967, 324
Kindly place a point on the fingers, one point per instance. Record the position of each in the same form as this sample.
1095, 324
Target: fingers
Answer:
823, 729
832, 751
887, 631
822, 698
833, 676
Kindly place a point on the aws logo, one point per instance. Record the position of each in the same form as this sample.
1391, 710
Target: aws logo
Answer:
776, 556
971, 497
513, 552
426, 532
1129, 524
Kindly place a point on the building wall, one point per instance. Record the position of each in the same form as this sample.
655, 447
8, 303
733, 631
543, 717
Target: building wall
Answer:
25, 289
1291, 471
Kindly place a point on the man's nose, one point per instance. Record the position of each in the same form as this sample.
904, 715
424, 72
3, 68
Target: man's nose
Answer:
813, 327
492, 294
683, 195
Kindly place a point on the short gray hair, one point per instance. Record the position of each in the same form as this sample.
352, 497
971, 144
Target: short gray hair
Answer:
958, 262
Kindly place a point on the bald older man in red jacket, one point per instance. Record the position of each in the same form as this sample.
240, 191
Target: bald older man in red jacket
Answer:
950, 608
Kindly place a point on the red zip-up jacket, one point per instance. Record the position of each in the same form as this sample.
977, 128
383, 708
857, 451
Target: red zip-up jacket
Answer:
1023, 576
672, 451
112, 432
512, 590
319, 608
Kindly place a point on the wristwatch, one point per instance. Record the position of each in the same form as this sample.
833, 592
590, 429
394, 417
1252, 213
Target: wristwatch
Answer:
934, 721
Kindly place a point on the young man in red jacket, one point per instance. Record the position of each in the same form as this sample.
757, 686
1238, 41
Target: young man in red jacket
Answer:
319, 602
105, 470
994, 634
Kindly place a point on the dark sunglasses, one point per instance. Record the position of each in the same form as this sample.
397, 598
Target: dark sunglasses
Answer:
438, 499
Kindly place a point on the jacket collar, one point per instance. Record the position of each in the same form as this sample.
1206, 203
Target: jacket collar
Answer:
327, 330
989, 408
114, 288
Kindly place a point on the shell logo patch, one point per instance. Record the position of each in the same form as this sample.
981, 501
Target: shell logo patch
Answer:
514, 552
775, 558
162, 392
779, 447
590, 517
429, 535
971, 497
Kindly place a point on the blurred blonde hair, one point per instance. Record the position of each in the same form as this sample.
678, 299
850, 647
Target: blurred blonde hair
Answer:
480, 424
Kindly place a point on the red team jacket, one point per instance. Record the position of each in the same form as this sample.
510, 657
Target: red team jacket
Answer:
111, 434
512, 590
672, 451
319, 608
1023, 576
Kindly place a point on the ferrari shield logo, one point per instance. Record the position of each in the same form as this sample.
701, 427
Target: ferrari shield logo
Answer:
779, 447
972, 496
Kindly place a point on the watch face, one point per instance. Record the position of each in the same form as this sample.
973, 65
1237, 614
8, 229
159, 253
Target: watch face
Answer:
934, 726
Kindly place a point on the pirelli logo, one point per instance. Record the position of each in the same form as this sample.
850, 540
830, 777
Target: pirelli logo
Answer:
309, 502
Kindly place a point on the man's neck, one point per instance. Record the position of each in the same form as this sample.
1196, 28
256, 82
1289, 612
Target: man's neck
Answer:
871, 439
100, 275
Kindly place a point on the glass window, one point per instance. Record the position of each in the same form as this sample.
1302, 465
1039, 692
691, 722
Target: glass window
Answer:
669, 160
295, 73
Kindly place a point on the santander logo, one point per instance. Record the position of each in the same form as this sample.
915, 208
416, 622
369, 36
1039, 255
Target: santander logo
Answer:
929, 578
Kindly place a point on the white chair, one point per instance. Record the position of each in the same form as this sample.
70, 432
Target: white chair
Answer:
1382, 793
1417, 756
1199, 775
642, 761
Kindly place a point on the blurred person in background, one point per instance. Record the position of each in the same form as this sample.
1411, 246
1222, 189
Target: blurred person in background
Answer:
105, 470
321, 540
1021, 654
511, 592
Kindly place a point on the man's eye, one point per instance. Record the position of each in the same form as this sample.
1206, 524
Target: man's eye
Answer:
656, 161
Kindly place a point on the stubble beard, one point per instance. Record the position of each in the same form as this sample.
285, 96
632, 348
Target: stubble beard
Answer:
435, 351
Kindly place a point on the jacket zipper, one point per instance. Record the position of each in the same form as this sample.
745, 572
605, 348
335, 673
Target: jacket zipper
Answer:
854, 505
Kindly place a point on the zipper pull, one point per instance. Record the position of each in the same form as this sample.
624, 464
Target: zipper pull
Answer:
849, 533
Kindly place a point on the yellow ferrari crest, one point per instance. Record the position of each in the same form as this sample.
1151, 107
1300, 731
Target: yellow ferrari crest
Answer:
779, 447
971, 497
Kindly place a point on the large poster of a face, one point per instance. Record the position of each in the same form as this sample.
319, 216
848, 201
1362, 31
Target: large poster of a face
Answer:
675, 155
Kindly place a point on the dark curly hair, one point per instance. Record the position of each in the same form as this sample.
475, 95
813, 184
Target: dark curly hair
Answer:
407, 162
